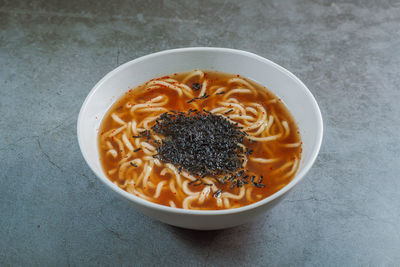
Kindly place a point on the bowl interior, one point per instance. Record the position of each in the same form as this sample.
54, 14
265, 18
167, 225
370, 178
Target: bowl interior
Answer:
281, 82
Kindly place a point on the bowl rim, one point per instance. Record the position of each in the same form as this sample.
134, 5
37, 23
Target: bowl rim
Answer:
298, 177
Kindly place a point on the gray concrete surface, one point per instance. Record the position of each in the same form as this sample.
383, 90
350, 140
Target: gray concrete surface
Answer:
54, 212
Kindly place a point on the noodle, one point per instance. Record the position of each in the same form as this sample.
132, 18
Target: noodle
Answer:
128, 150
159, 188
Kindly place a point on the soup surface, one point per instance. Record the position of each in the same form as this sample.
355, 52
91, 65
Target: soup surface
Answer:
135, 156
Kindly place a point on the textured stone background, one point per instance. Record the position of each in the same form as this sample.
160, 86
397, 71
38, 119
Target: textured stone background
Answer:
53, 211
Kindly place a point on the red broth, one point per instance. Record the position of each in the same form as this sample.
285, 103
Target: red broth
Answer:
127, 160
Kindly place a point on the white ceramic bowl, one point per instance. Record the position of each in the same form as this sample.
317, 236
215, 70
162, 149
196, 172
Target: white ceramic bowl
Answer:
284, 84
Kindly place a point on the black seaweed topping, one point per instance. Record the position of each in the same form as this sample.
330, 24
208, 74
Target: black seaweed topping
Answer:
248, 151
203, 144
132, 164
229, 111
194, 181
196, 86
200, 97
259, 185
217, 193
143, 134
